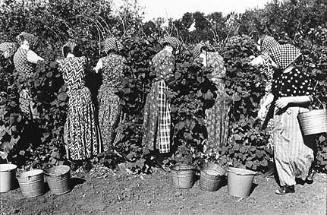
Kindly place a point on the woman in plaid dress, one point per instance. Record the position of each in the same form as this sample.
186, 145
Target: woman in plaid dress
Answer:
112, 67
217, 116
80, 132
292, 91
157, 119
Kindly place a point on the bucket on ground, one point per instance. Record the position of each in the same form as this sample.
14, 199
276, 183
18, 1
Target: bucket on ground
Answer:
313, 122
240, 181
183, 175
58, 178
211, 176
7, 177
32, 183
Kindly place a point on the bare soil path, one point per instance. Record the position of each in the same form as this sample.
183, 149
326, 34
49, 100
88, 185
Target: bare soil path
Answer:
123, 193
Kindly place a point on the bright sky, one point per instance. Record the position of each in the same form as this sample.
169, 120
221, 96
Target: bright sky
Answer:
176, 8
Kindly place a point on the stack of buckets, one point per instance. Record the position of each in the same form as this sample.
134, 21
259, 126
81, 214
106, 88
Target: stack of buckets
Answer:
32, 182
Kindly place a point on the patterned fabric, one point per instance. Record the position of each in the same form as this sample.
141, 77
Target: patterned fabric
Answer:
109, 110
293, 157
157, 119
8, 49
293, 83
25, 71
31, 39
24, 68
80, 133
173, 41
112, 43
268, 43
217, 116
284, 55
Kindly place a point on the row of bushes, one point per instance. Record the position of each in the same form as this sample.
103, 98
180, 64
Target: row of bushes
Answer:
193, 90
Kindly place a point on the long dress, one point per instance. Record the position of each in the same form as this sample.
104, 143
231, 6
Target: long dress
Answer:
25, 71
80, 132
157, 118
292, 156
109, 111
217, 116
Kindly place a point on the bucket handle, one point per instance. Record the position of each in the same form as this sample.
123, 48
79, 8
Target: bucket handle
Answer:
322, 104
50, 174
255, 173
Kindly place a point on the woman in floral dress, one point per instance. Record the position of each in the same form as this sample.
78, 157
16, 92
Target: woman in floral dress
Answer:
217, 116
25, 60
112, 67
81, 135
157, 119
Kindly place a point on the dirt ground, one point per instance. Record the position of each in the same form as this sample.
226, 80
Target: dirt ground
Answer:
104, 192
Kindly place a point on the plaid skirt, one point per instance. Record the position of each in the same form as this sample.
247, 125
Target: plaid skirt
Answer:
293, 157
157, 119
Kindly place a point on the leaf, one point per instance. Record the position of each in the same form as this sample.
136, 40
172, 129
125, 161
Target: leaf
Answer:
62, 96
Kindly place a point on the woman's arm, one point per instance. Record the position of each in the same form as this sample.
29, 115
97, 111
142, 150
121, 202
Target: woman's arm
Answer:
285, 101
32, 57
98, 66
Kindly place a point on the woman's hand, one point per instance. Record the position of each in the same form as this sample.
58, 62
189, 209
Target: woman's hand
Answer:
262, 113
283, 102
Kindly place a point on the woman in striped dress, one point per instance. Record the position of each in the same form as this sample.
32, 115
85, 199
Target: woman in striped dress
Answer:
25, 60
217, 116
112, 67
292, 91
81, 135
157, 119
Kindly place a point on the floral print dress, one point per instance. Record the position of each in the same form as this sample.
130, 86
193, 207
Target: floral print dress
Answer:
109, 111
80, 132
157, 118
217, 116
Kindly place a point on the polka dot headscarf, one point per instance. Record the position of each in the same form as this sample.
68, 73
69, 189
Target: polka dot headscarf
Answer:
111, 43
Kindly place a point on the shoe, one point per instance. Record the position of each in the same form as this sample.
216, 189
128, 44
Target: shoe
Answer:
310, 177
285, 189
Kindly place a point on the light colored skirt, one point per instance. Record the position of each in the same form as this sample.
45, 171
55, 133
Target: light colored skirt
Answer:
292, 157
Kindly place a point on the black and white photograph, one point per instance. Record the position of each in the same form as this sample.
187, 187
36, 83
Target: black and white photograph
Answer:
177, 107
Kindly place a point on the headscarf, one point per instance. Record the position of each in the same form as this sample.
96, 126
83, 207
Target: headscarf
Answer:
8, 47
111, 43
268, 43
198, 48
173, 41
283, 55
31, 39
71, 45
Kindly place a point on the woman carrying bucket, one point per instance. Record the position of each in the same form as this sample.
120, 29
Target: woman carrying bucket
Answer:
292, 92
